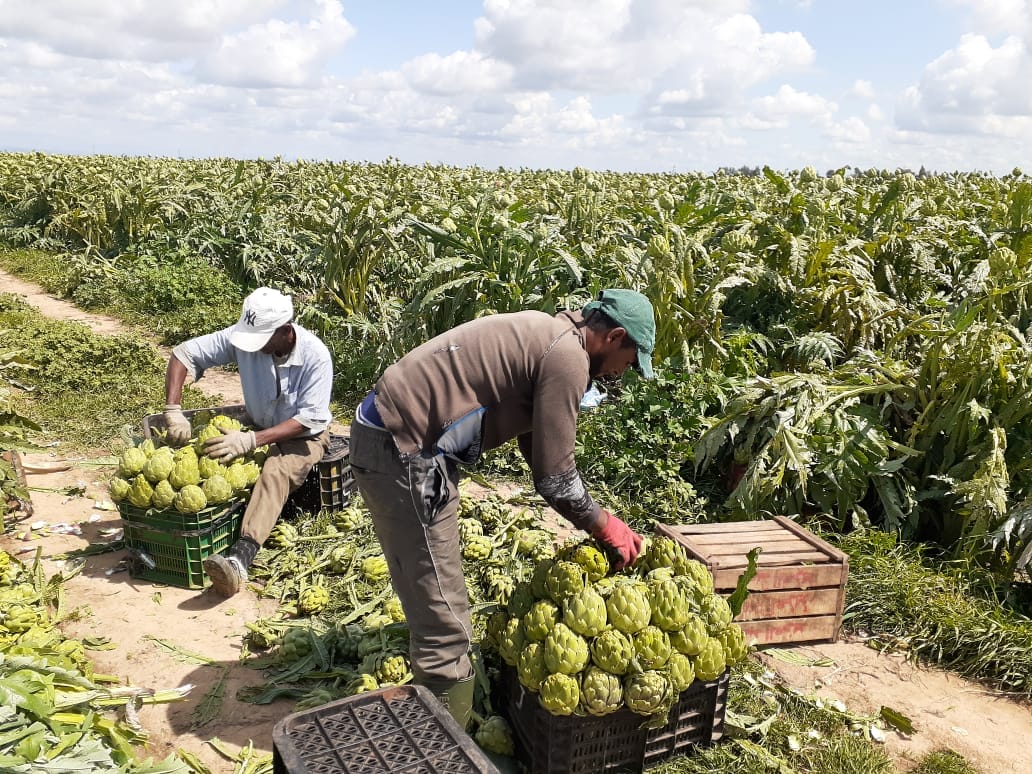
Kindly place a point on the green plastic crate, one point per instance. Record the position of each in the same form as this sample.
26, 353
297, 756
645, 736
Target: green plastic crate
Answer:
169, 519
174, 556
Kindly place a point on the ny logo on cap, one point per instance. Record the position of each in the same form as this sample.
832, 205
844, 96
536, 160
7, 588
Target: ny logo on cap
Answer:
249, 317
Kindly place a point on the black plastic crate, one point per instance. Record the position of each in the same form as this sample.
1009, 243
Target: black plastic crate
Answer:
402, 729
330, 484
552, 744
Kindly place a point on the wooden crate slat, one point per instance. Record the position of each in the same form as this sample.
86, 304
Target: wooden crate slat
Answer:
725, 579
821, 628
748, 539
770, 560
812, 539
724, 526
790, 604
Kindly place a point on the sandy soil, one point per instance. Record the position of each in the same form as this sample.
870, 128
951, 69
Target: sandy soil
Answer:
947, 711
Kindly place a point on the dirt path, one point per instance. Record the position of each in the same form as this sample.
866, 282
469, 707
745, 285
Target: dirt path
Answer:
987, 729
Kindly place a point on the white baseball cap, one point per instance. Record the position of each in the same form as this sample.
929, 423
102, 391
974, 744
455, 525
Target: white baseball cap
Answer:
264, 311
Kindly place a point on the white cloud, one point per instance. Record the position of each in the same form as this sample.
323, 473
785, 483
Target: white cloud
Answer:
852, 130
788, 104
687, 55
973, 88
994, 17
862, 88
460, 73
127, 29
279, 53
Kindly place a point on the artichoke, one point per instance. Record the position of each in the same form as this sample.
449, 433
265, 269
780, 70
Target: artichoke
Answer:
313, 599
540, 619
208, 467
732, 639
520, 600
646, 693
158, 466
628, 607
564, 579
669, 605
560, 694
184, 473
612, 650
140, 492
190, 499
217, 489
710, 663
601, 692
131, 463
691, 638
375, 569
513, 639
651, 647
530, 665
361, 684
593, 562
679, 671
717, 614
164, 495
565, 650
585, 612
494, 735
118, 487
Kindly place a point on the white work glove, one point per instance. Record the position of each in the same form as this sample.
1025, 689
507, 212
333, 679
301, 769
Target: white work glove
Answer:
177, 426
230, 445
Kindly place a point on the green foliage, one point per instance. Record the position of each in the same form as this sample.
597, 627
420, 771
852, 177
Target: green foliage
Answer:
944, 762
639, 443
175, 300
114, 380
770, 728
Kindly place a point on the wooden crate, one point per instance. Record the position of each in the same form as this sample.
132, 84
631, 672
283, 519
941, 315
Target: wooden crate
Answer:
800, 586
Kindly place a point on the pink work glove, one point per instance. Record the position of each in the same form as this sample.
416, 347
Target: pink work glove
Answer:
230, 445
623, 543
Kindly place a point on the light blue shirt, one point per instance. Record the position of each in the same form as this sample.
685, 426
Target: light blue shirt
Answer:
297, 388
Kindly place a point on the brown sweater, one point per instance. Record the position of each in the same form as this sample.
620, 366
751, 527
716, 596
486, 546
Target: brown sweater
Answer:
519, 375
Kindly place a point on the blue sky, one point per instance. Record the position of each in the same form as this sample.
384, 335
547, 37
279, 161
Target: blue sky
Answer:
635, 85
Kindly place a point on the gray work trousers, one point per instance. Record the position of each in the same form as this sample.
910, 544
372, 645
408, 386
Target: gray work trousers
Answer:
285, 469
414, 505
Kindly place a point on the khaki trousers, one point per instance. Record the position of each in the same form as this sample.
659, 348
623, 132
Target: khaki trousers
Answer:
285, 469
414, 505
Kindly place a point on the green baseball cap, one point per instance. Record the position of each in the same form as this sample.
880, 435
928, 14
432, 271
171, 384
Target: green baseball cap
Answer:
633, 312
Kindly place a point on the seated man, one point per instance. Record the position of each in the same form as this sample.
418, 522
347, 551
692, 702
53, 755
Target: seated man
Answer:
286, 374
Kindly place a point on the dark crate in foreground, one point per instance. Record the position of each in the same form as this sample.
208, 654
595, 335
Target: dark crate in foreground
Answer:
175, 556
401, 729
799, 590
550, 744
